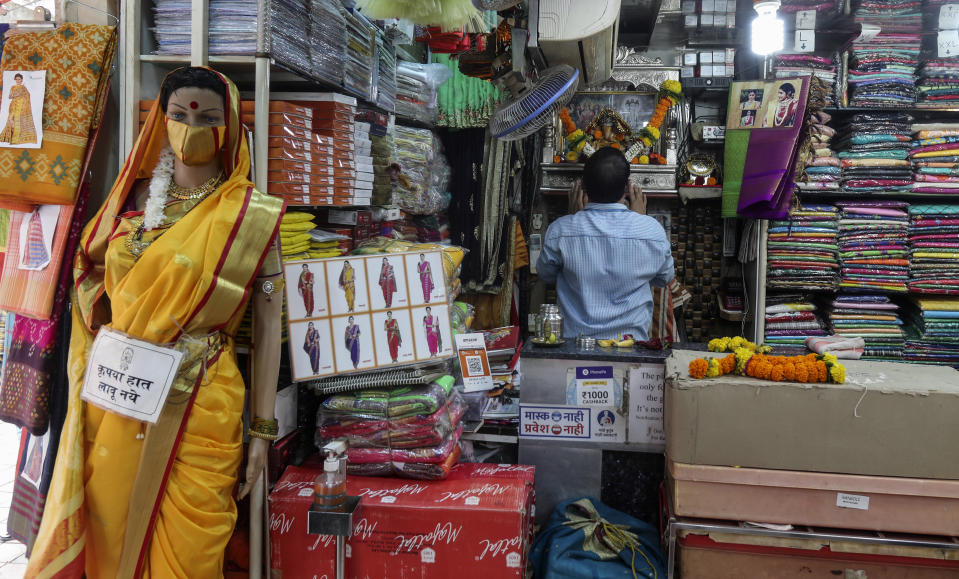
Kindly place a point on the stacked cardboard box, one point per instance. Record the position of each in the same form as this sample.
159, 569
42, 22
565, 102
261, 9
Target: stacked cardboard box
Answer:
478, 523
875, 454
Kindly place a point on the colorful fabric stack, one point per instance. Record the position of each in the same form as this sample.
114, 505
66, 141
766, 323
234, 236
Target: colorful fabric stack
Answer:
938, 84
873, 151
934, 249
802, 252
938, 75
875, 318
933, 331
873, 246
882, 68
935, 158
790, 319
806, 64
295, 236
823, 170
411, 432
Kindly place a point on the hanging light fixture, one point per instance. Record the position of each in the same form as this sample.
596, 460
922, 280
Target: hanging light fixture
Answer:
768, 31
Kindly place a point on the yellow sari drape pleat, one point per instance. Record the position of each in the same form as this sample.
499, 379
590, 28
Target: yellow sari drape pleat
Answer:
193, 280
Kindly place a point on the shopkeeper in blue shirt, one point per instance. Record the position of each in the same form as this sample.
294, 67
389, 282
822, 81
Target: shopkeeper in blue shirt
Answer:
606, 254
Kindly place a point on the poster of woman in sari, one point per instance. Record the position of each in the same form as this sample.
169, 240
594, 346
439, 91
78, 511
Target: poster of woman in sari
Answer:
434, 339
432, 331
306, 296
781, 110
387, 282
426, 278
348, 285
427, 269
312, 347
21, 109
305, 287
352, 341
393, 337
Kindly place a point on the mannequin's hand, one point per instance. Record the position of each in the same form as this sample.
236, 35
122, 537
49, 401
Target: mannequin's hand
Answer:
255, 463
636, 199
577, 201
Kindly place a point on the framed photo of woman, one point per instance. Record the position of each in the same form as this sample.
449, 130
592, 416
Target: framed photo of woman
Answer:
311, 349
21, 108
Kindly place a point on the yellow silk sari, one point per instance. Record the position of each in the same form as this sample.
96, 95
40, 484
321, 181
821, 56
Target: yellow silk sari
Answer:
190, 285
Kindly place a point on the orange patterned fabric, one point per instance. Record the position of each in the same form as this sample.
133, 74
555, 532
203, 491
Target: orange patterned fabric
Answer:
77, 59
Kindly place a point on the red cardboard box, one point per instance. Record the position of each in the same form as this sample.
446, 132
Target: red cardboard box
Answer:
477, 524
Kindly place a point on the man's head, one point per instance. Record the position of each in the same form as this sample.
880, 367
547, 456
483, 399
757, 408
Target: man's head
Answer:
605, 176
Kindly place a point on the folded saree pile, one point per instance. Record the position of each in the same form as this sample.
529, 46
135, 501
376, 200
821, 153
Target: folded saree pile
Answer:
934, 249
823, 167
802, 252
421, 188
873, 245
933, 331
935, 159
875, 318
882, 69
873, 151
411, 431
790, 319
806, 64
233, 29
938, 83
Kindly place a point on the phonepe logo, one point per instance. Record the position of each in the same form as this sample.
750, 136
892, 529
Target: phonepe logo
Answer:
594, 372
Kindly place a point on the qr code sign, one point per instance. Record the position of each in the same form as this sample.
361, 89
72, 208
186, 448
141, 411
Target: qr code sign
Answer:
474, 366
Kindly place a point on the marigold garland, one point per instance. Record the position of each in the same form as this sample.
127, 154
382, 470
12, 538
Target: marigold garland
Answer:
748, 359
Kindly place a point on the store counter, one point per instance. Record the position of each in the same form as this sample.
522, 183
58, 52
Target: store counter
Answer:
592, 424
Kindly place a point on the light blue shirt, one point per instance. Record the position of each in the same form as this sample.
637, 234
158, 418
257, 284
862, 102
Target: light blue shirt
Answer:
603, 261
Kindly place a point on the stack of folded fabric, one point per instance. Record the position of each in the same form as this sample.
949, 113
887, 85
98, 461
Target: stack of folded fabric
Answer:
327, 40
933, 331
938, 84
822, 172
873, 246
802, 252
873, 150
409, 432
938, 75
875, 318
420, 188
360, 63
935, 158
934, 249
790, 319
807, 64
882, 69
295, 239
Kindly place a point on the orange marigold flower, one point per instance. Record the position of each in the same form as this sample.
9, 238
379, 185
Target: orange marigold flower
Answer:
789, 371
698, 367
802, 373
728, 364
777, 374
823, 373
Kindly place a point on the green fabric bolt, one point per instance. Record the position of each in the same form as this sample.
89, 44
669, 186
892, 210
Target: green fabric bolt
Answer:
464, 102
734, 164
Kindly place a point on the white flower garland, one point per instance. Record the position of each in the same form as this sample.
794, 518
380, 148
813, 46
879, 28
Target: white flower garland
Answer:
159, 185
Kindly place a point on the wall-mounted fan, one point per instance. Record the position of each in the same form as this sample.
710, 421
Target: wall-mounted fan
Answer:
531, 105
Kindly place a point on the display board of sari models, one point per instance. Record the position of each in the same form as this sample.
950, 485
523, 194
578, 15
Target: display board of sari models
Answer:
363, 312
763, 124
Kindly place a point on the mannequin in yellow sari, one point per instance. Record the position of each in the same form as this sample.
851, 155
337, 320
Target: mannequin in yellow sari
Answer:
175, 264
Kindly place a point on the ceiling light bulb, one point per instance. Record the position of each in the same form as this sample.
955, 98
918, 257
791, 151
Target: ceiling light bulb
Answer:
768, 31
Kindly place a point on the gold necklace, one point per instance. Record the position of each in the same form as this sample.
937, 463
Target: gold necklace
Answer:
186, 194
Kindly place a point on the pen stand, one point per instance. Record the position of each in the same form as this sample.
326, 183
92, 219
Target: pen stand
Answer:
337, 523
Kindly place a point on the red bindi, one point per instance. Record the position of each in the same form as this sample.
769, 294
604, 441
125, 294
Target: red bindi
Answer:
193, 104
